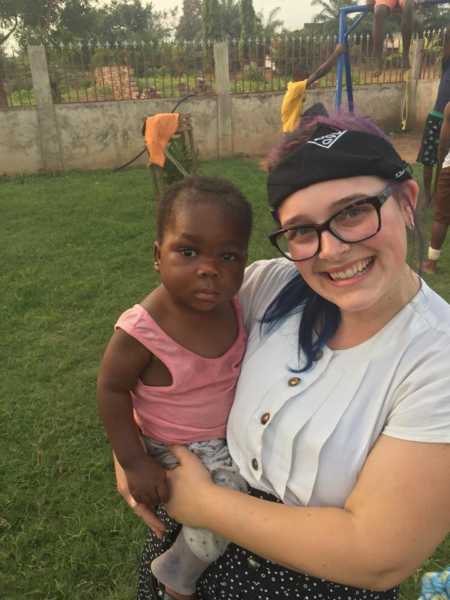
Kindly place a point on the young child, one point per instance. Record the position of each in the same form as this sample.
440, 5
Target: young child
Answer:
169, 371
381, 10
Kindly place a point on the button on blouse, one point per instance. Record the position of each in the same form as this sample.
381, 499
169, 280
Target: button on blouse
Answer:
265, 418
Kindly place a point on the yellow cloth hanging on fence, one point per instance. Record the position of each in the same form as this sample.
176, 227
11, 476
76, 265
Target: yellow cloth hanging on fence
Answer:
292, 105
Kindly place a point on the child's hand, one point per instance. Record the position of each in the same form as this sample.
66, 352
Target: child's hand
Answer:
140, 510
147, 482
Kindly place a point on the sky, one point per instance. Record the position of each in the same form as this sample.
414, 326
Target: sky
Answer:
294, 13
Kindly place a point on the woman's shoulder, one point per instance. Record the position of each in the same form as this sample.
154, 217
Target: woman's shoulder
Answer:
432, 313
263, 280
269, 269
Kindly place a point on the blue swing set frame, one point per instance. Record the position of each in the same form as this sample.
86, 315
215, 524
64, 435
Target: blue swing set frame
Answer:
343, 64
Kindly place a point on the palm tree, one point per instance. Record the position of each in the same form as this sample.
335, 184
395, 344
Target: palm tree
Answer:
270, 27
329, 13
231, 19
330, 10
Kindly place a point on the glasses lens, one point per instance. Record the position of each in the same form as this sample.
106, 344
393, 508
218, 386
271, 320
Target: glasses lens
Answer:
356, 222
299, 243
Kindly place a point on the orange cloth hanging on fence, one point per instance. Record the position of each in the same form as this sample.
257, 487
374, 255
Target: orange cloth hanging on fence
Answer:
158, 131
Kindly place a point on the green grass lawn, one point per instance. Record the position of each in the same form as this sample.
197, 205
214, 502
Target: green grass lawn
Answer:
76, 251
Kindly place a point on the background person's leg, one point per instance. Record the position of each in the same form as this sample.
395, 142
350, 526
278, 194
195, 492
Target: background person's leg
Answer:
441, 221
381, 11
438, 234
407, 28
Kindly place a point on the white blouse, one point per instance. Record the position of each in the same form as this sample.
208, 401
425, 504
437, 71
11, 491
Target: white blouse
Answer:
305, 436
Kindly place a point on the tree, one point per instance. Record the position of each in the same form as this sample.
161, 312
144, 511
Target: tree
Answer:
431, 17
9, 19
231, 18
211, 18
190, 23
21, 15
329, 14
269, 28
248, 27
248, 19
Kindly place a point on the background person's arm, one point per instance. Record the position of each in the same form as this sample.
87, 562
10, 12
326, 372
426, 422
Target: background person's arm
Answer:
398, 512
326, 66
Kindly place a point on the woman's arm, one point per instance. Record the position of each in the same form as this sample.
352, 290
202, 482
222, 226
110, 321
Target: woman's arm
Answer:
397, 514
123, 362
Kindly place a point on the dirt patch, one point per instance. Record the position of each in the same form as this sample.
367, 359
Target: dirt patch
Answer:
407, 144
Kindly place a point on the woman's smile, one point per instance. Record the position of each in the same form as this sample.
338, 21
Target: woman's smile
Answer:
351, 273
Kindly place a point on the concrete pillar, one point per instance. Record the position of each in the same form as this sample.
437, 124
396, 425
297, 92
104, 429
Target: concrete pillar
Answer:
416, 55
224, 104
48, 127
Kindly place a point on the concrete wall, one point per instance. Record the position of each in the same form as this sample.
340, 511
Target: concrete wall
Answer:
104, 135
108, 134
256, 117
426, 97
20, 150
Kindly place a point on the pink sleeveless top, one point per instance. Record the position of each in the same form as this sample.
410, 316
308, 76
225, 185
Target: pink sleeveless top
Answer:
195, 406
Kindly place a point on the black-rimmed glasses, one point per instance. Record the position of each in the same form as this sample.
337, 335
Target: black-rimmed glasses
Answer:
356, 222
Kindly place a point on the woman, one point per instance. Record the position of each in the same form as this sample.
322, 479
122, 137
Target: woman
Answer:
341, 420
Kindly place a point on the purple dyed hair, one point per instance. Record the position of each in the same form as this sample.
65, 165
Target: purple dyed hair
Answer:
303, 133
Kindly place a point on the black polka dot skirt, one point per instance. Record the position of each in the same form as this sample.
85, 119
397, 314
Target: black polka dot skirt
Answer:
241, 575
428, 152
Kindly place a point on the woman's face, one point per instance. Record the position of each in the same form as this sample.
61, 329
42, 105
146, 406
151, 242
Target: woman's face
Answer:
362, 277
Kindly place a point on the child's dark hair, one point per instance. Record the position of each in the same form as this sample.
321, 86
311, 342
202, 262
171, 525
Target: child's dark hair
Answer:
205, 190
320, 318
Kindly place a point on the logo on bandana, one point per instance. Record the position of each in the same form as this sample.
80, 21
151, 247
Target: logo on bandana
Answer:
327, 141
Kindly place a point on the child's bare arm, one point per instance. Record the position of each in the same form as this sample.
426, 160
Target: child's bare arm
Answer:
123, 362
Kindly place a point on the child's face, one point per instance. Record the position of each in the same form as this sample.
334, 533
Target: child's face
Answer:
201, 258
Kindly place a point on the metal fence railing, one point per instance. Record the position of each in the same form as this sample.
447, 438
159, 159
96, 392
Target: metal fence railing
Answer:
16, 88
262, 65
433, 42
89, 73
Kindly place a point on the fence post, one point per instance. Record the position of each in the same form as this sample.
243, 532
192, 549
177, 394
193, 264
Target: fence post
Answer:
48, 126
416, 67
224, 103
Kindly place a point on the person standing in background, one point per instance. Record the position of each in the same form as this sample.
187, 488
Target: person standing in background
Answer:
441, 207
428, 153
381, 10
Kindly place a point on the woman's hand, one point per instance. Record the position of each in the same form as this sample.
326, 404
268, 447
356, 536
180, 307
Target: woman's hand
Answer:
190, 484
140, 510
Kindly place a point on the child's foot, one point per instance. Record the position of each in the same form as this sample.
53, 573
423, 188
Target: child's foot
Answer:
429, 266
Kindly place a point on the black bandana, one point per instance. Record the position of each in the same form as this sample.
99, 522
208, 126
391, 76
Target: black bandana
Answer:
334, 154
